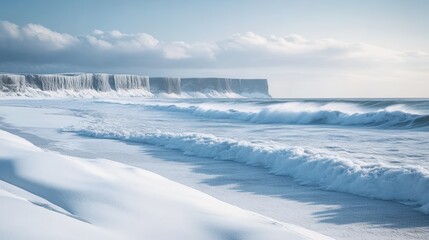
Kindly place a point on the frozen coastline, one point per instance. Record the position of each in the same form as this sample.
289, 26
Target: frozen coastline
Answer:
89, 85
160, 141
53, 196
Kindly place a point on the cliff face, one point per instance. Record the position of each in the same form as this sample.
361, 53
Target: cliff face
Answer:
165, 85
55, 82
20, 83
225, 85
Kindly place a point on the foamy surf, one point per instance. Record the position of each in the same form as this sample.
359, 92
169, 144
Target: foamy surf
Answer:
314, 113
312, 166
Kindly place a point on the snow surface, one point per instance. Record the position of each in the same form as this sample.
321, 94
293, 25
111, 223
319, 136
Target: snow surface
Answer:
45, 195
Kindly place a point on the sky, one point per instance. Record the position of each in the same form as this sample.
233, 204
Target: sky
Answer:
308, 49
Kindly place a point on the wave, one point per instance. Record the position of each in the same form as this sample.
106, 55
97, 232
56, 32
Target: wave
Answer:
394, 116
407, 185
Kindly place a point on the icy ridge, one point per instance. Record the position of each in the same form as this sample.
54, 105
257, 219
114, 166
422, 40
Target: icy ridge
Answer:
43, 85
76, 82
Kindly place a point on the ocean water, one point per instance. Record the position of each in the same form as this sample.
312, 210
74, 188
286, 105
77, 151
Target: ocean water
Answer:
372, 148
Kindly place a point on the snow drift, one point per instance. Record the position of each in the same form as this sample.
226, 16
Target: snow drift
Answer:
35, 85
46, 195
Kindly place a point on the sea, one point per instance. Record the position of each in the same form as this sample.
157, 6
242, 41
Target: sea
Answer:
375, 149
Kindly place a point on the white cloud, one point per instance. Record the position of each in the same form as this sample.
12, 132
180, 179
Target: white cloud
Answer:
121, 42
116, 34
9, 29
294, 47
99, 43
33, 35
36, 44
97, 32
176, 50
146, 40
45, 35
183, 50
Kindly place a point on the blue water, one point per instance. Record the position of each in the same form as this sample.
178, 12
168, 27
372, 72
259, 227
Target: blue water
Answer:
372, 148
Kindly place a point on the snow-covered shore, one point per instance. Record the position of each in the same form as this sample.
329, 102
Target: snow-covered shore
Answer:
335, 214
46, 195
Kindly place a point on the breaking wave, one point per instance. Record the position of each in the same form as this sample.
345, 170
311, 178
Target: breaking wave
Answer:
394, 116
408, 185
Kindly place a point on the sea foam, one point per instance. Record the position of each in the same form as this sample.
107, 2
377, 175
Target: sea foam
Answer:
312, 166
394, 116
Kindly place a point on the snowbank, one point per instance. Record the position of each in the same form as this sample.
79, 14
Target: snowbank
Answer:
45, 195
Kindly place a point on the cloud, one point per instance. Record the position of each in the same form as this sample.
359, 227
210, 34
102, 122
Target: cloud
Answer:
287, 49
9, 29
117, 41
36, 45
45, 37
33, 35
183, 50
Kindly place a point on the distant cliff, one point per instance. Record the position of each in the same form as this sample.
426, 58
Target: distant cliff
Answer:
133, 85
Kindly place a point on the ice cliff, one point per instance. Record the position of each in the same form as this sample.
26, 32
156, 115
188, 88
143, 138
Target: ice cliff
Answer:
87, 83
